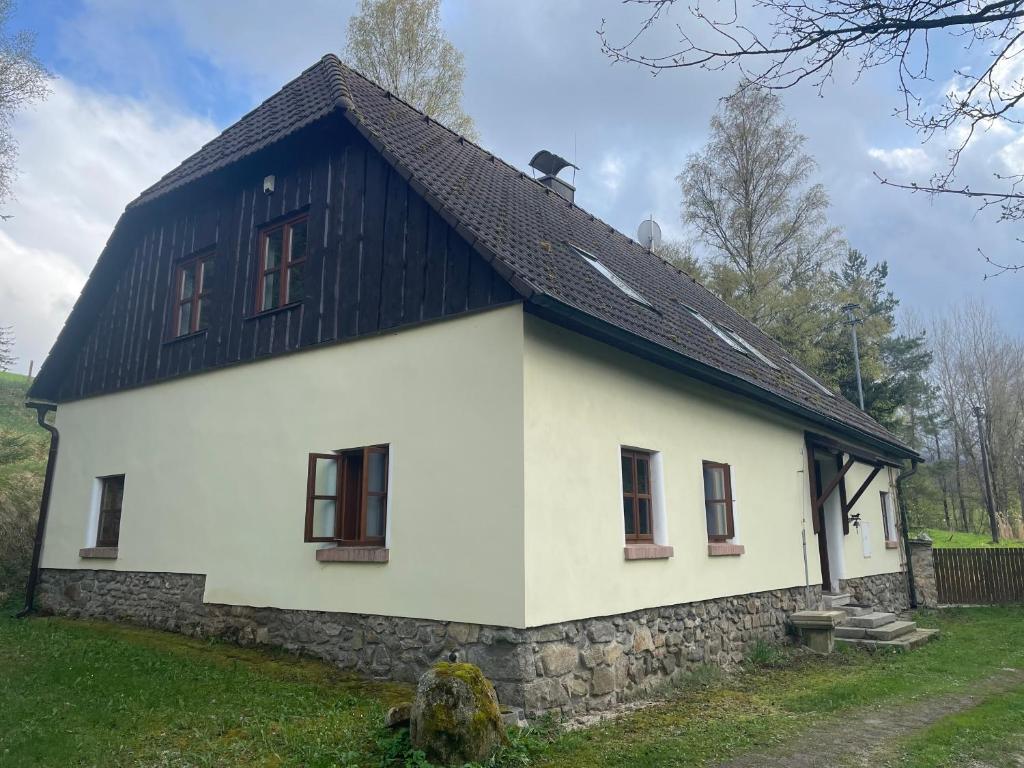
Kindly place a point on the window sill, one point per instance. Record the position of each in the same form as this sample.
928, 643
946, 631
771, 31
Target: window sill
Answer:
99, 553
647, 552
892, 545
724, 549
186, 336
274, 311
352, 555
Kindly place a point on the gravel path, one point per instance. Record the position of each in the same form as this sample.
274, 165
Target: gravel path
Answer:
864, 738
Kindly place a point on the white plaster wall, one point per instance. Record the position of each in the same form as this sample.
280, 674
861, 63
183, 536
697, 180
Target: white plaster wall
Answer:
869, 506
583, 401
215, 468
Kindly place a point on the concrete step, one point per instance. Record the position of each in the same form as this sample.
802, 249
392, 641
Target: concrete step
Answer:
846, 632
871, 620
892, 630
834, 599
907, 642
853, 609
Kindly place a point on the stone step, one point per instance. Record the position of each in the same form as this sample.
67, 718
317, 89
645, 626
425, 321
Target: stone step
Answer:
907, 642
892, 630
846, 632
871, 620
834, 599
853, 609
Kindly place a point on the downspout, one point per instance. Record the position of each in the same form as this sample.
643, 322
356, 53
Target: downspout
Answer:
44, 505
906, 530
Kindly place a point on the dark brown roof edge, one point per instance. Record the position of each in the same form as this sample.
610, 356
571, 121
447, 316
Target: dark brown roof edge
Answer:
575, 319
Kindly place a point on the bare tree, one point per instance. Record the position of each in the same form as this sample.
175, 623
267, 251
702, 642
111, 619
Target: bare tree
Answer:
400, 45
802, 40
979, 365
22, 80
7, 358
751, 198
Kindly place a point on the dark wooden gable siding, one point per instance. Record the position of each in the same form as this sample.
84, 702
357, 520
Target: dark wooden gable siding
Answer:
379, 258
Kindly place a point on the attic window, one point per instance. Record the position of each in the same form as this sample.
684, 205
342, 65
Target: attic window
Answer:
752, 349
726, 337
811, 379
282, 260
614, 279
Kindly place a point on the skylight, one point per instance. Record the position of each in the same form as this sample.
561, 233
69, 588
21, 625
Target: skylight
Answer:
611, 277
730, 337
811, 379
752, 350
727, 338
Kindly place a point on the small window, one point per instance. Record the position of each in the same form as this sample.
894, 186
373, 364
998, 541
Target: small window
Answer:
611, 277
637, 498
718, 501
111, 493
283, 249
190, 309
346, 496
888, 524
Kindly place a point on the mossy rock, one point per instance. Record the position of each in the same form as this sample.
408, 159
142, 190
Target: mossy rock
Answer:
455, 717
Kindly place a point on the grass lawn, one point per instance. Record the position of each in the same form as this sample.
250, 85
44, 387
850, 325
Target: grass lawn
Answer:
993, 731
953, 539
94, 694
87, 693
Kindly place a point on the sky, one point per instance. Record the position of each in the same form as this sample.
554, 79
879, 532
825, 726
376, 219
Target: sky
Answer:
139, 86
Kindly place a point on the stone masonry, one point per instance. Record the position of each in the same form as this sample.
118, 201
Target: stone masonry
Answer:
885, 591
568, 668
921, 558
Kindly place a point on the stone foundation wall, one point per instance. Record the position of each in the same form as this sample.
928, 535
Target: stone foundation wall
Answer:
885, 591
569, 668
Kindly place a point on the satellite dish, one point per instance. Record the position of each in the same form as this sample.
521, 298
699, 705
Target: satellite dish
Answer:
648, 234
549, 163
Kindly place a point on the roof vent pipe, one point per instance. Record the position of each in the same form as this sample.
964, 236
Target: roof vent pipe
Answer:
550, 165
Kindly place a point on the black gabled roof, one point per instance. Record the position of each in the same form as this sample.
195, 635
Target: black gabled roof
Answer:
527, 232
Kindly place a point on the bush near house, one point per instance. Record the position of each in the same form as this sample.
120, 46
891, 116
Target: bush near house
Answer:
23, 447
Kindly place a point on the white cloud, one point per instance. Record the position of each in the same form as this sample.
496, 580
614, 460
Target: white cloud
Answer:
610, 173
36, 295
84, 156
909, 160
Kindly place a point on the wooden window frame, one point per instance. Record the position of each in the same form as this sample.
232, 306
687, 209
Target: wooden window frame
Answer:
200, 264
104, 511
341, 491
285, 265
729, 521
634, 455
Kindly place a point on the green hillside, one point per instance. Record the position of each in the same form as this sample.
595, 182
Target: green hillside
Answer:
23, 447
13, 413
958, 539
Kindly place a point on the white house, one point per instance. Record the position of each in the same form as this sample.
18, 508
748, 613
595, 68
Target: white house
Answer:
347, 383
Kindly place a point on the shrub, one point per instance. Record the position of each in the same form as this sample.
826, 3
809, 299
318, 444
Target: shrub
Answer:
765, 654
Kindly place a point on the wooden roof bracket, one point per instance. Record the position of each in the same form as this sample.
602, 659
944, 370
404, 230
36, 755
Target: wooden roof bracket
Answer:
864, 486
827, 490
839, 450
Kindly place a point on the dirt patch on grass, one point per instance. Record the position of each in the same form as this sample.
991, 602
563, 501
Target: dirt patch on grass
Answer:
865, 738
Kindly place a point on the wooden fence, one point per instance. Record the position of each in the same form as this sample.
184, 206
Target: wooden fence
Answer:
979, 576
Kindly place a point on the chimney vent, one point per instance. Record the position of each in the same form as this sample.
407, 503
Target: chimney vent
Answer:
551, 165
